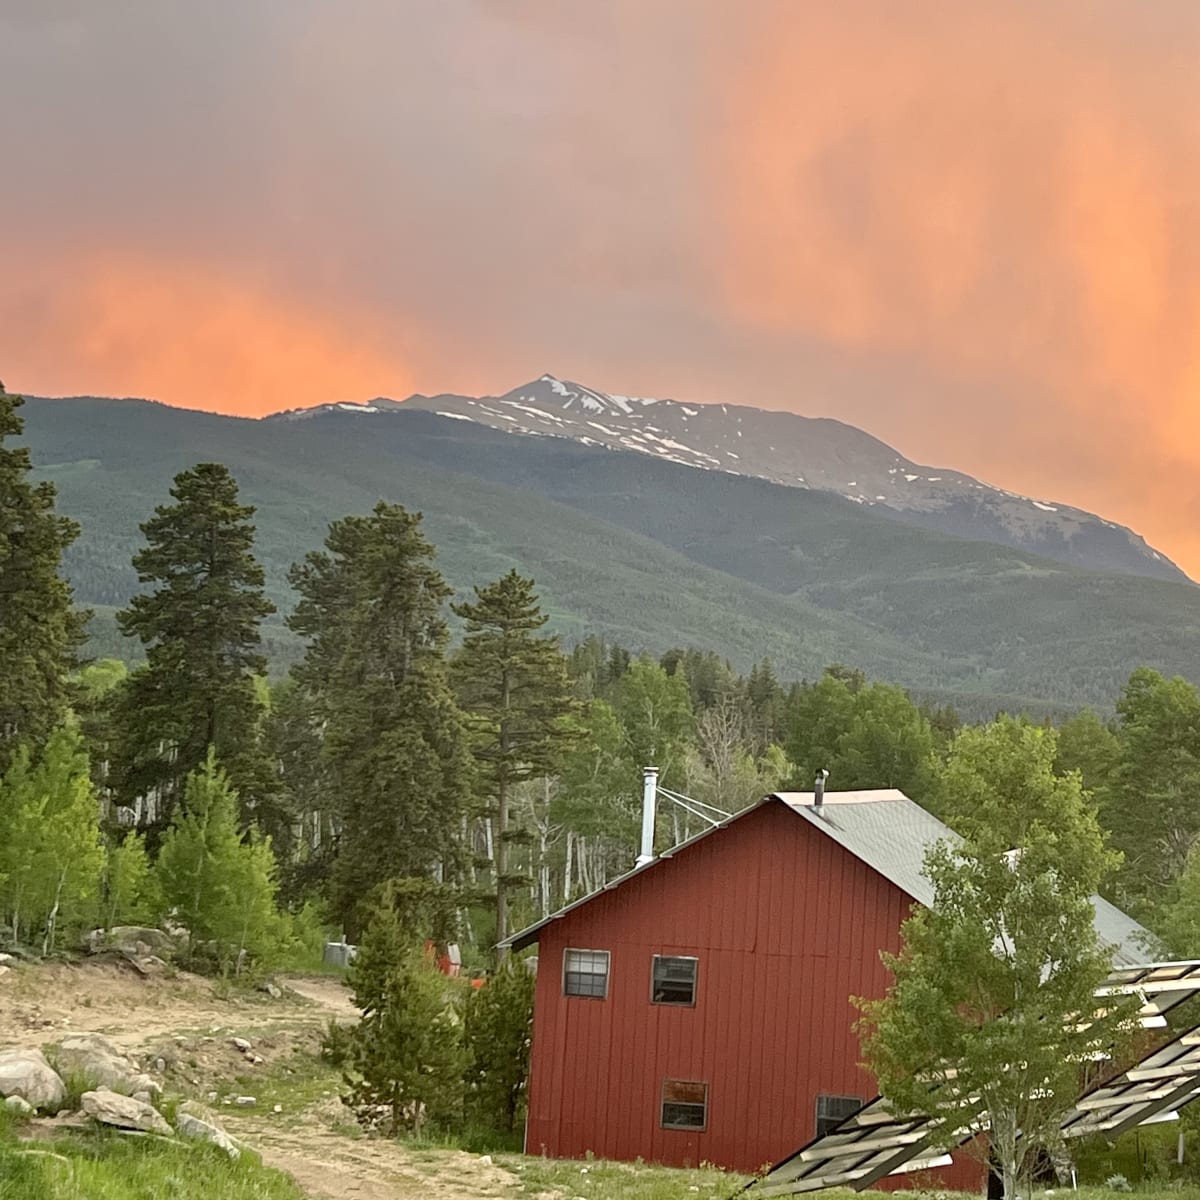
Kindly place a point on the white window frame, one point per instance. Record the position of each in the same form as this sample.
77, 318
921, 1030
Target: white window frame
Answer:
607, 956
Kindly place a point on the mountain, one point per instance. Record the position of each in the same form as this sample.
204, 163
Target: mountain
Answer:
816, 453
649, 552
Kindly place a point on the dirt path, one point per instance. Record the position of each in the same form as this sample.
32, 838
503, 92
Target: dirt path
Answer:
44, 1004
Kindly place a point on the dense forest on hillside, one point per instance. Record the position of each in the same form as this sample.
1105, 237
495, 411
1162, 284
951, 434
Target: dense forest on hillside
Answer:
645, 554
499, 763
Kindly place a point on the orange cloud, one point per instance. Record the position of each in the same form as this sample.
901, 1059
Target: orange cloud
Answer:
194, 335
1000, 199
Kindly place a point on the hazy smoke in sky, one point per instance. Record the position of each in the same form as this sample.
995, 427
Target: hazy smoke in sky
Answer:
970, 228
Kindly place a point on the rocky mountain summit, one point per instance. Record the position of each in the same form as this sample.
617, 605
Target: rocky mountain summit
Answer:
817, 453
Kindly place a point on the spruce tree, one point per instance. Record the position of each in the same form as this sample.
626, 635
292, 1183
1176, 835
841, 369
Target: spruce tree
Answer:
394, 743
514, 684
40, 630
405, 1057
199, 624
498, 1026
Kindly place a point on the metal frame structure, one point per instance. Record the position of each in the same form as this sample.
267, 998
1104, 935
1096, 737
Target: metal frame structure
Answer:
876, 1142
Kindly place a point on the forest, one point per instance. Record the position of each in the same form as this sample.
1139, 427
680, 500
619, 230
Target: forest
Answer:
402, 788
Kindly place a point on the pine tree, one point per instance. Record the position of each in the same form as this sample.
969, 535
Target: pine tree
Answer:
40, 630
498, 1026
221, 889
515, 686
200, 628
394, 743
405, 1057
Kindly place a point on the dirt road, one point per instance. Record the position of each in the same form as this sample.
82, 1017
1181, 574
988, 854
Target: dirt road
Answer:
313, 1141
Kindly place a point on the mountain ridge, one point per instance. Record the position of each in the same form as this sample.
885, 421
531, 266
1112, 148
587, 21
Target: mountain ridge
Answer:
812, 453
632, 548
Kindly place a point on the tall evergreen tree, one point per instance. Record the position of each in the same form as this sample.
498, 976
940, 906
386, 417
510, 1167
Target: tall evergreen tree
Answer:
514, 684
199, 624
398, 763
40, 630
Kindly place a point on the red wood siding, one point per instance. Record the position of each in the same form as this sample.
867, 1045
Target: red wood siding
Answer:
787, 927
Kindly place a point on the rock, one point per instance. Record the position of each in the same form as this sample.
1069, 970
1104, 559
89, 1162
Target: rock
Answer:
3, 970
102, 1064
197, 1129
135, 940
160, 1065
142, 1097
245, 1101
278, 1108
241, 1044
149, 965
19, 1107
485, 1160
26, 1073
7, 958
257, 1060
273, 990
110, 1108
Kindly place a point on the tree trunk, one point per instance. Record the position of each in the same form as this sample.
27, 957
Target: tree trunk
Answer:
567, 872
502, 819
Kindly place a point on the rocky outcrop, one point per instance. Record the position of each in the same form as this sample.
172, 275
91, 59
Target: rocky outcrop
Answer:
111, 1108
25, 1072
136, 941
101, 1064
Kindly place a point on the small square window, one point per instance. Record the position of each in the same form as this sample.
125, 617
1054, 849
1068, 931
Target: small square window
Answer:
684, 1104
673, 980
833, 1110
585, 973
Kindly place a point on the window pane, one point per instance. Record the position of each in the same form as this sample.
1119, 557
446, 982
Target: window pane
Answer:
585, 973
674, 980
833, 1110
684, 1104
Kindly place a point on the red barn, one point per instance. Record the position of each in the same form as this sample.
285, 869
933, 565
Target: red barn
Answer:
698, 1008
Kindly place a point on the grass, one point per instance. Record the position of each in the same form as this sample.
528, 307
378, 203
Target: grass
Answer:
598, 1180
111, 1167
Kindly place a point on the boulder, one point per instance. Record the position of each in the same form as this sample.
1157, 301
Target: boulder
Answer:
26, 1073
135, 940
101, 1064
197, 1129
110, 1108
19, 1107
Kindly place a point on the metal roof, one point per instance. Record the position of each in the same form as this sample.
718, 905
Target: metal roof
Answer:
890, 833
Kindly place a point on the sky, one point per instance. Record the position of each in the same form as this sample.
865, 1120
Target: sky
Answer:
971, 229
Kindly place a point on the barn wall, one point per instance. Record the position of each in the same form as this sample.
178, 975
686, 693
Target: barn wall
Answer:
787, 927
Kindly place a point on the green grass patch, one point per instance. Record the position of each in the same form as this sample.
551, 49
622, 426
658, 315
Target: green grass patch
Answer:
599, 1180
295, 1083
111, 1167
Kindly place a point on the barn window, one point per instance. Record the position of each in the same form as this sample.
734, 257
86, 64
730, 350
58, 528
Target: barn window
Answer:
684, 1104
833, 1110
585, 973
673, 980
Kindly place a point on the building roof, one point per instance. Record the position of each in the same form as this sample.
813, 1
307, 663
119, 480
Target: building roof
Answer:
891, 834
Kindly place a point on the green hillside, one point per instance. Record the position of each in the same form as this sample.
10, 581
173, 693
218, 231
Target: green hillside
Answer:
652, 554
